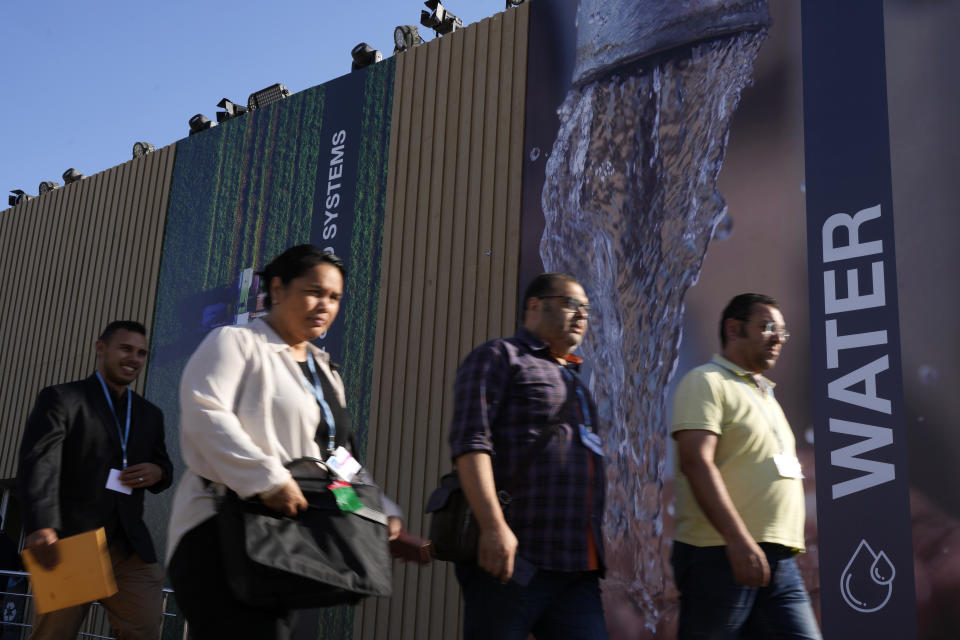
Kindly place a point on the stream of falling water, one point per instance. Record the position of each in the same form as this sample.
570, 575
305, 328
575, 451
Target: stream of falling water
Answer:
631, 202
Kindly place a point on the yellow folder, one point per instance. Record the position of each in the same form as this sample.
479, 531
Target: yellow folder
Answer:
84, 573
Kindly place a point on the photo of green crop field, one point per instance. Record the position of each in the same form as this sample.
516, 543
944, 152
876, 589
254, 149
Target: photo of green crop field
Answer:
244, 191
363, 282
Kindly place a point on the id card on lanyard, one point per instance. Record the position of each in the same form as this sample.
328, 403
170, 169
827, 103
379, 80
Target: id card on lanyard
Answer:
113, 479
788, 466
324, 407
590, 439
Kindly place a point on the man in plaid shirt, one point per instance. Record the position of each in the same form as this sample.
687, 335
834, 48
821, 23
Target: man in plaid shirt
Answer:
540, 556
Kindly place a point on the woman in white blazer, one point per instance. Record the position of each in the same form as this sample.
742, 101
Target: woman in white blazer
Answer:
251, 400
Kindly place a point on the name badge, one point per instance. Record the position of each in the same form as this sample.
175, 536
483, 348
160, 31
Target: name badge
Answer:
343, 464
788, 466
591, 441
114, 484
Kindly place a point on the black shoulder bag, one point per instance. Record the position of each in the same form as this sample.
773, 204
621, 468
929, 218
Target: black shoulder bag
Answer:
321, 557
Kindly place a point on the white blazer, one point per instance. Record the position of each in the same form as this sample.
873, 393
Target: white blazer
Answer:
245, 410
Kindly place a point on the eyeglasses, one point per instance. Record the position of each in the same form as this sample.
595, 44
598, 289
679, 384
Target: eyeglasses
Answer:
770, 328
571, 304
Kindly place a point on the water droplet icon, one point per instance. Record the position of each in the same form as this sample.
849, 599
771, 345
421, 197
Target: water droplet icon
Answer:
866, 583
882, 571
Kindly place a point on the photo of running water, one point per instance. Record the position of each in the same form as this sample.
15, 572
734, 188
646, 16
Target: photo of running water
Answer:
631, 182
675, 181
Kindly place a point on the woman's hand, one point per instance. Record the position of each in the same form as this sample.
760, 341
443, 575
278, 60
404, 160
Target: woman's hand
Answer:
287, 500
394, 527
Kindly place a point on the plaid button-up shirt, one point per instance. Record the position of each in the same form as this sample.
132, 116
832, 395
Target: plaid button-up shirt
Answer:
506, 391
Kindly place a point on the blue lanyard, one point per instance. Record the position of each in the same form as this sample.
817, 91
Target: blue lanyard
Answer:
124, 433
324, 407
765, 389
584, 407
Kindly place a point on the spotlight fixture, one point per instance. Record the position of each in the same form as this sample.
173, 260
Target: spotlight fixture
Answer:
405, 37
141, 149
47, 185
273, 93
72, 175
439, 19
230, 110
199, 123
364, 55
514, 3
18, 197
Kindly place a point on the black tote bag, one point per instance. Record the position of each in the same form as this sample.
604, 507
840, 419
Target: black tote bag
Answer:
321, 557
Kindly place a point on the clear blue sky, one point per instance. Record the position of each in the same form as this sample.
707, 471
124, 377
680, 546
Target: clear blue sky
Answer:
84, 80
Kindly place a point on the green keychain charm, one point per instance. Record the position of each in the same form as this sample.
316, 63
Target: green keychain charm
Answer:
346, 497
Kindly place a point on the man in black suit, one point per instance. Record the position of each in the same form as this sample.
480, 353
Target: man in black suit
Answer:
89, 449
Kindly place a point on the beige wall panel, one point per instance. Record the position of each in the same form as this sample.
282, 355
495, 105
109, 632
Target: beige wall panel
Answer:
450, 267
73, 260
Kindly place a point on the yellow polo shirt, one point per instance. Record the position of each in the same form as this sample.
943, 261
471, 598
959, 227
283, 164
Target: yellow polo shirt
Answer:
722, 398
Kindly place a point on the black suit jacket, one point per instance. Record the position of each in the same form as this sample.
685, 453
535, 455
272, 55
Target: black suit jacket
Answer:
69, 445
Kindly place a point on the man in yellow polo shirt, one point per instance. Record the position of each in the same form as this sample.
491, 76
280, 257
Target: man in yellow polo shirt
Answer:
740, 503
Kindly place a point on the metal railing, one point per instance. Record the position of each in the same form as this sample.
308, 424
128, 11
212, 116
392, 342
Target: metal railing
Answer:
16, 612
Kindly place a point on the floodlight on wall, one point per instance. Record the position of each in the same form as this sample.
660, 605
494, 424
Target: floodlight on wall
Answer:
72, 175
199, 123
230, 110
47, 185
141, 149
406, 36
273, 93
439, 19
18, 197
364, 55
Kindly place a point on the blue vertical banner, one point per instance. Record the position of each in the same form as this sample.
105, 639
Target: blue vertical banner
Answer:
863, 504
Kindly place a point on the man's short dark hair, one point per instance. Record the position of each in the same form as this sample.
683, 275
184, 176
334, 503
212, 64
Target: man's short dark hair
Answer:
125, 325
741, 307
293, 263
544, 284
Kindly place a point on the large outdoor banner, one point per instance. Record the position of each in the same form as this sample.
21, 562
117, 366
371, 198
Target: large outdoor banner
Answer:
665, 168
629, 120
866, 550
312, 168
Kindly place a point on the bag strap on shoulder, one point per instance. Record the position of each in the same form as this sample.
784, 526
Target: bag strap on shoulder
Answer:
550, 429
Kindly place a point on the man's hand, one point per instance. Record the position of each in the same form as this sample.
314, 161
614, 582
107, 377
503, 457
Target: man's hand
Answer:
287, 500
43, 544
696, 450
497, 545
496, 550
749, 563
141, 476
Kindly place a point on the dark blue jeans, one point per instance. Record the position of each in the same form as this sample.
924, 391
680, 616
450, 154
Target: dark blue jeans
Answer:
714, 607
557, 605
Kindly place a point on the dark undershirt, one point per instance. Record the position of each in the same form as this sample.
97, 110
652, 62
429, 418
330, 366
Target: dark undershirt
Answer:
322, 436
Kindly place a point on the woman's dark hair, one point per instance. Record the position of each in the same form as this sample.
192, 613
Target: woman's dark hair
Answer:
293, 263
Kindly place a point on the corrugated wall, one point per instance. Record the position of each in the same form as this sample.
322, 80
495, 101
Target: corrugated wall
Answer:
90, 252
73, 260
450, 268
